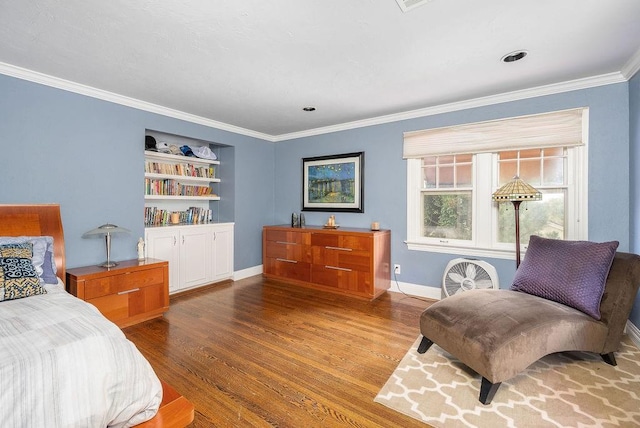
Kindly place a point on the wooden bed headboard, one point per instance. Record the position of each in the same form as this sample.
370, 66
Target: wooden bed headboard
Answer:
36, 220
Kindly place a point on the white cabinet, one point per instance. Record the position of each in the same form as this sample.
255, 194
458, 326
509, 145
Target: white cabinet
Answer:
222, 251
162, 244
197, 255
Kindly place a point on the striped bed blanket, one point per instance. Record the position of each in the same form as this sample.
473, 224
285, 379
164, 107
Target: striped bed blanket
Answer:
62, 364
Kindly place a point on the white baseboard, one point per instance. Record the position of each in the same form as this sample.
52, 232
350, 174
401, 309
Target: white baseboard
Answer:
246, 273
416, 290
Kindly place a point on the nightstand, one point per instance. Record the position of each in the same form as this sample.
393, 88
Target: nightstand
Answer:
129, 293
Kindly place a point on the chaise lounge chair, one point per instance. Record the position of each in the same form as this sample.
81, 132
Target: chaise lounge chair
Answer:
499, 333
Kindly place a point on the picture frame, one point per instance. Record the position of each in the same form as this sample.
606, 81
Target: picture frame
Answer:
333, 183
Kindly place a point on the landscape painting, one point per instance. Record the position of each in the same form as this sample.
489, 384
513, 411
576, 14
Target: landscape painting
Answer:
333, 183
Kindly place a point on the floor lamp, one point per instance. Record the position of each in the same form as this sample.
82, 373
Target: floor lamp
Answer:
517, 191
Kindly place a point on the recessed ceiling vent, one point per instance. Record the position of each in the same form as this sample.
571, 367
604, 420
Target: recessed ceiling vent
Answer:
407, 5
514, 56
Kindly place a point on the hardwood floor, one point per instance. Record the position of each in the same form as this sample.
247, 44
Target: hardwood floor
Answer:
264, 353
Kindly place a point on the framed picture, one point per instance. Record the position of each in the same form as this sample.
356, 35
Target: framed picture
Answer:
333, 183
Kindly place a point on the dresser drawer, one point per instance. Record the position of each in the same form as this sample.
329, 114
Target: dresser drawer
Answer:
99, 287
124, 282
139, 279
287, 236
288, 251
342, 258
350, 281
287, 269
113, 306
349, 242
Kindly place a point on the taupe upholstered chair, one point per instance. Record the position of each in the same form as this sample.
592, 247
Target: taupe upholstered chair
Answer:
499, 333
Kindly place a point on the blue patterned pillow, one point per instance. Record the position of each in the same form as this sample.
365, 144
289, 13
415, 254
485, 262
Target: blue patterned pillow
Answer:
42, 258
18, 276
573, 273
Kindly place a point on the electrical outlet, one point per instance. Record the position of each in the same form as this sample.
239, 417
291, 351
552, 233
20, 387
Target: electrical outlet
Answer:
396, 269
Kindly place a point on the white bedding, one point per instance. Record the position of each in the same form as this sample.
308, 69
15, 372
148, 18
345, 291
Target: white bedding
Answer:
62, 364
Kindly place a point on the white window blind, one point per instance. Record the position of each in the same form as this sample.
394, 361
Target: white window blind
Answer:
560, 128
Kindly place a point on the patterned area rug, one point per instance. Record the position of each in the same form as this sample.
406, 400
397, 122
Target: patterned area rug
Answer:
571, 389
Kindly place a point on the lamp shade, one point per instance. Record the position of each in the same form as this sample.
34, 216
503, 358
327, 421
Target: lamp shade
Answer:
517, 190
106, 230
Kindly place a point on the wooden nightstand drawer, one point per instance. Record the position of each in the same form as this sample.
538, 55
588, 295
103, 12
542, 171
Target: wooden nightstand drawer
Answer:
133, 291
99, 287
139, 279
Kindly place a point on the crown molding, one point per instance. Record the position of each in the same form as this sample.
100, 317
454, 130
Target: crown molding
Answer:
632, 66
78, 88
556, 88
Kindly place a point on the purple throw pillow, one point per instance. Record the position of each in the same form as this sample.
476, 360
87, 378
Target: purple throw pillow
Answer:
49, 269
573, 273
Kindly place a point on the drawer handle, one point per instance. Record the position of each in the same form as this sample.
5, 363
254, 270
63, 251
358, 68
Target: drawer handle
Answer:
286, 243
129, 291
286, 260
338, 268
338, 248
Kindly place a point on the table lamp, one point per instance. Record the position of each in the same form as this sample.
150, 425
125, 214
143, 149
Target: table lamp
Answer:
106, 230
517, 191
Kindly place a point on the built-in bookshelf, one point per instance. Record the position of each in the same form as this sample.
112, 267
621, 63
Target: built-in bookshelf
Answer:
180, 185
171, 176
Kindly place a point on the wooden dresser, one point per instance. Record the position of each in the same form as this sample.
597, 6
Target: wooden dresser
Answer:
129, 293
346, 260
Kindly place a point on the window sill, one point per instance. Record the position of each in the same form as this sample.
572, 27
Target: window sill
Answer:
462, 251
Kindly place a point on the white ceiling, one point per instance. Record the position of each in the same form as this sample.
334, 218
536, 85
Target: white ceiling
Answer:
254, 64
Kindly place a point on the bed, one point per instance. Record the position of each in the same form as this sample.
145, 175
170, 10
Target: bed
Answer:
63, 363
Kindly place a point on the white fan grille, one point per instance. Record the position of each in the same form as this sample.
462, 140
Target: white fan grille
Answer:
466, 274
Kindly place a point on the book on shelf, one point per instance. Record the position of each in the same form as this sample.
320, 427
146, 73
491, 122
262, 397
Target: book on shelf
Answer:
170, 187
184, 169
154, 216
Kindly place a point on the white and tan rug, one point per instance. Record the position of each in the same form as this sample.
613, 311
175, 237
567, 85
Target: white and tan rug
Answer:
573, 389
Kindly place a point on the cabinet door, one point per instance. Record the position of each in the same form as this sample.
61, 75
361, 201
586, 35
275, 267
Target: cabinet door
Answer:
195, 256
162, 244
222, 249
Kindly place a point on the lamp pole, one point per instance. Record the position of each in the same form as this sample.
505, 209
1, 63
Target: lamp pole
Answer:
516, 207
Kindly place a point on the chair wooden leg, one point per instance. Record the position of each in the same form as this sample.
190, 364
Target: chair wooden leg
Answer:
425, 344
487, 391
609, 358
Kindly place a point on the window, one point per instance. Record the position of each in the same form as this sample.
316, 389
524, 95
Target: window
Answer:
447, 197
450, 208
544, 169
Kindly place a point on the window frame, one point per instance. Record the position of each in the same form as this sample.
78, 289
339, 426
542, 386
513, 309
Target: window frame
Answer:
485, 179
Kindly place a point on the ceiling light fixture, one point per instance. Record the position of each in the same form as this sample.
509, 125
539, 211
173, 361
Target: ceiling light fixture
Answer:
309, 108
514, 56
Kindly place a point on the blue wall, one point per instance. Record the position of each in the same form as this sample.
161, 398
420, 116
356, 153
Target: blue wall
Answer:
634, 176
385, 173
87, 155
